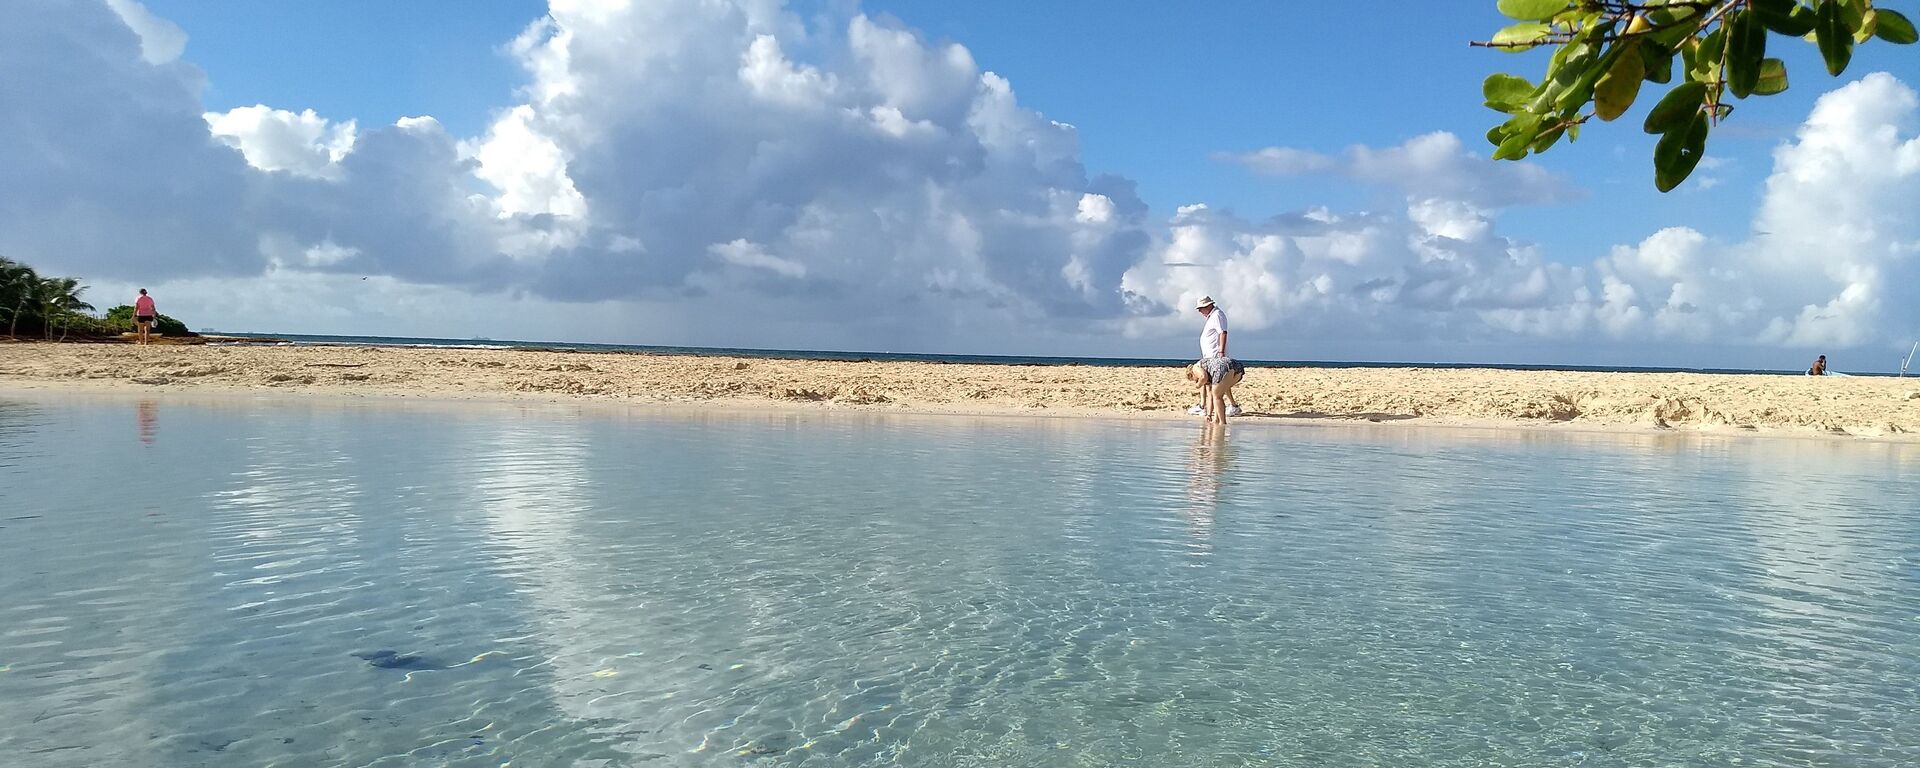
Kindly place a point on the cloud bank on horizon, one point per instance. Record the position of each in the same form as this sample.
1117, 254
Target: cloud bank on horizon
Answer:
734, 173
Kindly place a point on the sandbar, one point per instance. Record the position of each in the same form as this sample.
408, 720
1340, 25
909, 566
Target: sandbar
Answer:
1881, 408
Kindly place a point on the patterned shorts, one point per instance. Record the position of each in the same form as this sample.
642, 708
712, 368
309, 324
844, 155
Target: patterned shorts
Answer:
1218, 368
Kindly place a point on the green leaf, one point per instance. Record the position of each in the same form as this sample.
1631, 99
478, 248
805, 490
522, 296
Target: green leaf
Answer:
1669, 29
1657, 62
1678, 152
1548, 138
1532, 10
1584, 16
1567, 65
1784, 16
1894, 27
1836, 40
1659, 68
1616, 90
1863, 31
1852, 12
1678, 106
1514, 148
1554, 61
1597, 33
1544, 99
1773, 77
1707, 61
1496, 134
1577, 56
1520, 37
1507, 93
1746, 49
1519, 134
1580, 91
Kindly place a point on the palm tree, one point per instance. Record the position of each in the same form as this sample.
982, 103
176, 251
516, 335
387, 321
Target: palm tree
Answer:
41, 302
17, 289
60, 300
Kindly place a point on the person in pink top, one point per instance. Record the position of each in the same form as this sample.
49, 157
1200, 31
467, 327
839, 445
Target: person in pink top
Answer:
143, 314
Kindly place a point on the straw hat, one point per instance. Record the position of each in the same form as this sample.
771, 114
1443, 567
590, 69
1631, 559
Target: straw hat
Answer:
1205, 301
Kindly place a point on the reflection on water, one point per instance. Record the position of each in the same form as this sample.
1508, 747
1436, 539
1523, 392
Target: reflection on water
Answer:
302, 584
1206, 470
147, 414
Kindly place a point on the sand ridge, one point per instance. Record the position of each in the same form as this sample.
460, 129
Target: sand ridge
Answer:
1876, 407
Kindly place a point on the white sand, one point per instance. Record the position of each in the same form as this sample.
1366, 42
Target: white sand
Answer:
1874, 407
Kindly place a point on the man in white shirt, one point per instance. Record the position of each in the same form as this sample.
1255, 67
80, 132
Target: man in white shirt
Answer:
1213, 343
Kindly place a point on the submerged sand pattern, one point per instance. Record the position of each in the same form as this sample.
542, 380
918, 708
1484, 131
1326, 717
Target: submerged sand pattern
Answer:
1859, 406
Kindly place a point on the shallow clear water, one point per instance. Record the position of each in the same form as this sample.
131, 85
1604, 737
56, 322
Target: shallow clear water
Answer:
188, 583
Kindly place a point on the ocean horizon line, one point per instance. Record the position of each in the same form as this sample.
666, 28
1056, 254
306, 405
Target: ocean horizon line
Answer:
954, 358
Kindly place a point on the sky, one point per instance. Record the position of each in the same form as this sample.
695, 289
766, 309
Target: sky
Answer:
986, 177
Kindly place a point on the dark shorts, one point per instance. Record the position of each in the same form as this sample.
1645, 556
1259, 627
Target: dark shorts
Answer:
1219, 368
143, 318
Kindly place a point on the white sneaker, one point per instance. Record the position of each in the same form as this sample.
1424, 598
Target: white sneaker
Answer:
1197, 411
1233, 410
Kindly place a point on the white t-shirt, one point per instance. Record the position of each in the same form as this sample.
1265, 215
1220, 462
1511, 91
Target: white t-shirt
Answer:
1210, 335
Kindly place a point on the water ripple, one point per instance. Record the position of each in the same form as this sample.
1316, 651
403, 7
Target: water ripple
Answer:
381, 585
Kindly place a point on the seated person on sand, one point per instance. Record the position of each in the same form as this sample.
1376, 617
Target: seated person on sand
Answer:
1216, 377
1819, 367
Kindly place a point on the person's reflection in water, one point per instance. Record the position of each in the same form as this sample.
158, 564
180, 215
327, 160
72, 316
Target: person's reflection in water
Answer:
1206, 466
148, 415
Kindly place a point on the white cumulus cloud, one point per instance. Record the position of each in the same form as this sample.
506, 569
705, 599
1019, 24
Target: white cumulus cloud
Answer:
767, 165
161, 41
1832, 262
301, 143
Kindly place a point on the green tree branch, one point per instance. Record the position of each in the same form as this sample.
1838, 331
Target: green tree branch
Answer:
1603, 50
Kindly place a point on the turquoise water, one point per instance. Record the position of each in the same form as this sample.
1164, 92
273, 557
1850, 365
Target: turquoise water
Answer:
281, 582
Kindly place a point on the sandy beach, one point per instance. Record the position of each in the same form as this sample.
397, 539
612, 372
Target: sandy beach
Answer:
1886, 408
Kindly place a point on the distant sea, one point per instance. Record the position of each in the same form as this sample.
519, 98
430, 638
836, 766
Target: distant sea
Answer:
915, 357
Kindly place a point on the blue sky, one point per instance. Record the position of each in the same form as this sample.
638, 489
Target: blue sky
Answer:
1155, 88
385, 60
584, 191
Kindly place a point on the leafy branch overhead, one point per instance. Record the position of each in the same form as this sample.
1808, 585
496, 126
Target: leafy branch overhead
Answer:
1712, 51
